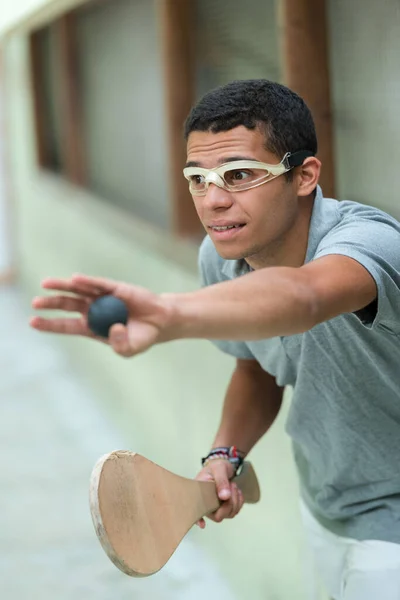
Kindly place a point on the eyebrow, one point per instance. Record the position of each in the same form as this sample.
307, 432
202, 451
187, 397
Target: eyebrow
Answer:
193, 163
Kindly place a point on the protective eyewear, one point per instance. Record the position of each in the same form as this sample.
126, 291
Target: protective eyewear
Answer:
241, 175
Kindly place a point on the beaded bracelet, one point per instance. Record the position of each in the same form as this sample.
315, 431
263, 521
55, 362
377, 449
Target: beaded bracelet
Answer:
230, 453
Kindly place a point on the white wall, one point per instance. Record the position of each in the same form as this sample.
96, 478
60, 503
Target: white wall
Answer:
236, 43
365, 50
124, 120
15, 15
12, 12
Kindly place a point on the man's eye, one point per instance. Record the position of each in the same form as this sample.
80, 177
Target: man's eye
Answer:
197, 179
238, 175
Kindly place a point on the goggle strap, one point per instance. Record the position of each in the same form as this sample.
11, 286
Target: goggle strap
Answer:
297, 158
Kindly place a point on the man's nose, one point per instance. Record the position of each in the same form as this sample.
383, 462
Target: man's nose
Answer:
217, 197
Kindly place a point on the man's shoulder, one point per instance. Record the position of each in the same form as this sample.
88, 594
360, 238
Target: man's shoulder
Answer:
358, 212
353, 220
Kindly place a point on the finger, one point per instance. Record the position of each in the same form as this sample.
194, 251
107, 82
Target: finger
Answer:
67, 303
205, 476
67, 285
221, 480
106, 286
65, 326
231, 507
241, 499
201, 523
223, 512
132, 294
234, 501
119, 340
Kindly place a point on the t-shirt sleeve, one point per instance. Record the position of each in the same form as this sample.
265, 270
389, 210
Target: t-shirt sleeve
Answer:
375, 244
209, 263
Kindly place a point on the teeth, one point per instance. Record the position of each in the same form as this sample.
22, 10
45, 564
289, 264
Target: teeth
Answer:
225, 228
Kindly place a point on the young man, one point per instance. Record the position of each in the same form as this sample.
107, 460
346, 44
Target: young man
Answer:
303, 291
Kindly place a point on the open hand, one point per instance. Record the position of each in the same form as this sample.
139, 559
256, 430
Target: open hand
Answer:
147, 321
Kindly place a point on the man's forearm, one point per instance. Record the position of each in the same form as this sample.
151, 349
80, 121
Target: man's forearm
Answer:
263, 304
251, 405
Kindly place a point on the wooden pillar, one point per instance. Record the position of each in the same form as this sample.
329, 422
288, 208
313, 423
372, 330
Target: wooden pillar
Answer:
74, 166
66, 83
305, 49
43, 153
177, 23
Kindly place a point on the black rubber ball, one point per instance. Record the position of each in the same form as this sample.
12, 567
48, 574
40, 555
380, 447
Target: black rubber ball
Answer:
104, 313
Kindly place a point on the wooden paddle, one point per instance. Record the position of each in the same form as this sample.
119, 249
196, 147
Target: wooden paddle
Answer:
141, 512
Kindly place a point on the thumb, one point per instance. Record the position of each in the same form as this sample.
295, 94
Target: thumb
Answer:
221, 477
118, 339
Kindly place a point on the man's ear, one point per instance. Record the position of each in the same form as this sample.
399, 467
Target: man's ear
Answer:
307, 176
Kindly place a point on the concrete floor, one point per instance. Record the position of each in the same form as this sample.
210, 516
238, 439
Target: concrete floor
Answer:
52, 431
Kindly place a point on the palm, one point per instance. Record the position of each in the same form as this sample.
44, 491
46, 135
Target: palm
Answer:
71, 298
76, 294
141, 336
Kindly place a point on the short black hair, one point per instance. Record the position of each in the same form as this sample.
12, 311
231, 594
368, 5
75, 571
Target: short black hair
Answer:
279, 112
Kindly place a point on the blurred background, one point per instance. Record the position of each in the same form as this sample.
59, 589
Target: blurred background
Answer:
93, 96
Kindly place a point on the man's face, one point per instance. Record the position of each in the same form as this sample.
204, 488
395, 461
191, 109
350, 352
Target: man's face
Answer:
262, 216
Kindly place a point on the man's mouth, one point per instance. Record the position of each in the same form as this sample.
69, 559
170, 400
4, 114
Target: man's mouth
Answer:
226, 227
226, 232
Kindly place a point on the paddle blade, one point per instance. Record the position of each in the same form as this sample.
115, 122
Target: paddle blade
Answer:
141, 511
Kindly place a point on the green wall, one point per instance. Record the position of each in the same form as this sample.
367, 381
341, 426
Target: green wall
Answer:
167, 401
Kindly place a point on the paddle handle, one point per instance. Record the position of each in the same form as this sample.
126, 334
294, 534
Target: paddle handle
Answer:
246, 481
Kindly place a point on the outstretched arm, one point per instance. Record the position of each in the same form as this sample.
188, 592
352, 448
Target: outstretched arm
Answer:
269, 302
273, 302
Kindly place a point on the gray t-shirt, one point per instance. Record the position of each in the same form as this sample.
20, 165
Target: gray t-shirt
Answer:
344, 418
